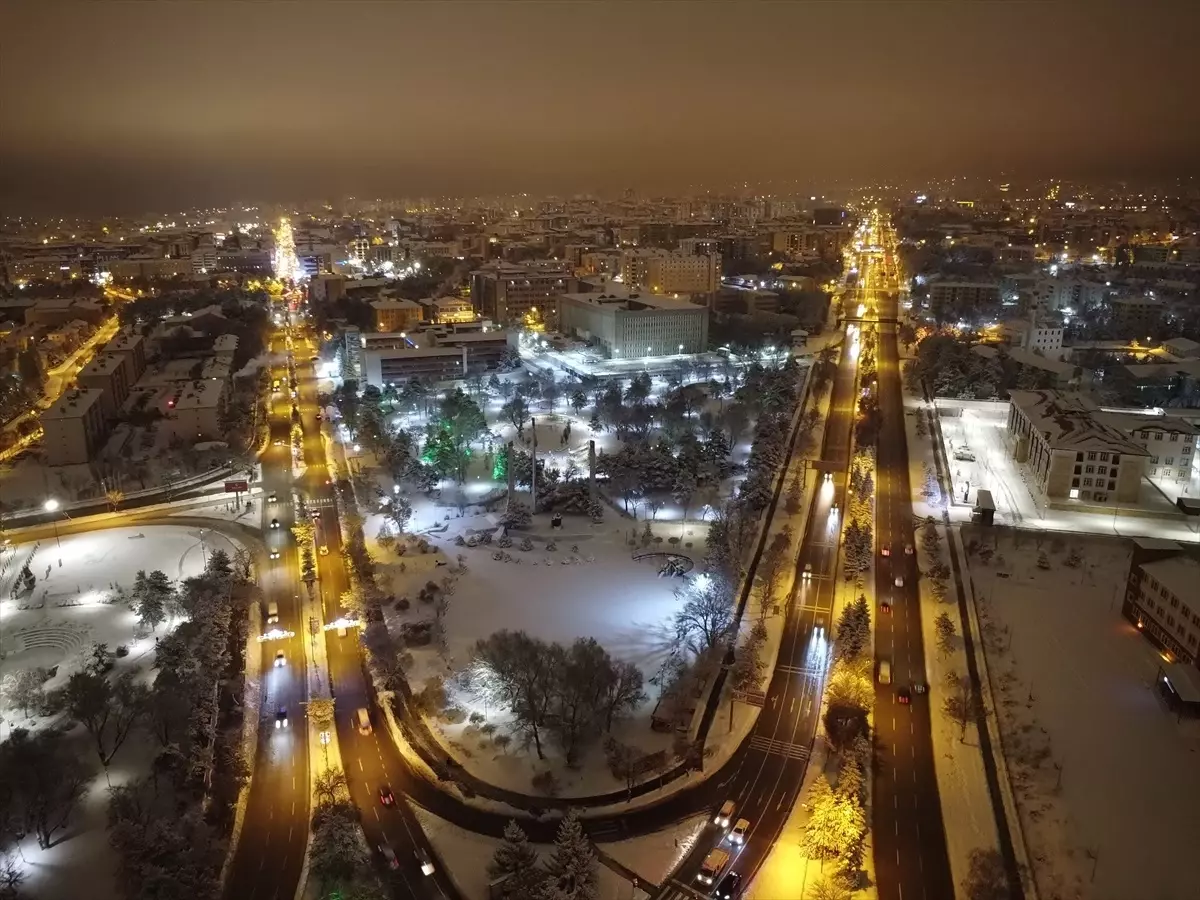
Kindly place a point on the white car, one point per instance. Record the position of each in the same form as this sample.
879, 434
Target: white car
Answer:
426, 863
274, 554
724, 815
908, 549
280, 660
828, 477
899, 581
274, 523
281, 718
808, 571
738, 834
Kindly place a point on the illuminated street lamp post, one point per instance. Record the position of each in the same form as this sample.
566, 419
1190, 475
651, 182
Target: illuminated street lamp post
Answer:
51, 506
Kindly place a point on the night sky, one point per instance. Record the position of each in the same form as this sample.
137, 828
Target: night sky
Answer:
125, 106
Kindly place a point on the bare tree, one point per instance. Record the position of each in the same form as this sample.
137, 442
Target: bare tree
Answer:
962, 704
706, 619
512, 669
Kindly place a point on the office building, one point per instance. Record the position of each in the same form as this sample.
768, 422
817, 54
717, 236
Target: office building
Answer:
439, 353
74, 427
1070, 452
664, 272
505, 293
1162, 598
627, 325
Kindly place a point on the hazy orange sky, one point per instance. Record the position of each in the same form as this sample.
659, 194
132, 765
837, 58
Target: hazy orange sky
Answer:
139, 104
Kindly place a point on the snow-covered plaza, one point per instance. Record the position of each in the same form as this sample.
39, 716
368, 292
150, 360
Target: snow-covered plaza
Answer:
1099, 766
74, 604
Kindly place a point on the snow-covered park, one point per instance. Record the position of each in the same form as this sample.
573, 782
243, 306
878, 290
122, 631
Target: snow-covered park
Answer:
604, 575
1099, 766
74, 604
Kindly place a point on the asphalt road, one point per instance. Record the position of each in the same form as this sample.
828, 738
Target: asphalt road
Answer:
765, 776
909, 836
270, 852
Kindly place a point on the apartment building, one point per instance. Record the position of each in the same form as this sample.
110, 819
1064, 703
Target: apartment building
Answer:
665, 272
1070, 452
133, 346
1136, 316
193, 410
506, 293
396, 315
1169, 440
109, 373
628, 325
447, 310
1162, 597
74, 427
960, 297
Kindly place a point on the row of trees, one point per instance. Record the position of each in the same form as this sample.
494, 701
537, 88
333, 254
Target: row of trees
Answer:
339, 860
570, 872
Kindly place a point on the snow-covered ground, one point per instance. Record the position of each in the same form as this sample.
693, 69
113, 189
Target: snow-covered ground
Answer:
466, 856
653, 857
962, 784
1101, 769
589, 586
67, 612
980, 427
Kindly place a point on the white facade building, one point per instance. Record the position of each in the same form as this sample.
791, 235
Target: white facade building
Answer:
627, 325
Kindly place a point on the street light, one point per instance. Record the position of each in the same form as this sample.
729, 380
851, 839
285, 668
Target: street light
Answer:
51, 506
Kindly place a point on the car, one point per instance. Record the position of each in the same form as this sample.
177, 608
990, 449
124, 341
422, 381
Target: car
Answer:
904, 696
320, 417
274, 554
278, 442
808, 571
885, 607
729, 887
272, 497
738, 834
724, 815
886, 550
918, 688
274, 523
833, 510
908, 549
281, 718
280, 659
424, 861
899, 581
316, 514
323, 550
828, 477
389, 856
386, 797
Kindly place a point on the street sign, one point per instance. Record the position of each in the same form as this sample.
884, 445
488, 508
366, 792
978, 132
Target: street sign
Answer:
237, 487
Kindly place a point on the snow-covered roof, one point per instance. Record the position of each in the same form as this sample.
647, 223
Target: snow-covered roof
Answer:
1178, 574
1068, 421
1184, 680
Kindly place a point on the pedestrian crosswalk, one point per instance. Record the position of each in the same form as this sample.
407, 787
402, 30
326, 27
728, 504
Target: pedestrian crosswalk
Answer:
778, 748
800, 670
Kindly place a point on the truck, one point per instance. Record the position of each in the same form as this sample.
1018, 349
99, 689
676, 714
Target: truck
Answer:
712, 867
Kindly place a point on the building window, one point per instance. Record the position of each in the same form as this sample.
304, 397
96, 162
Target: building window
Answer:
1187, 613
1170, 621
1087, 482
1074, 482
1170, 460
1112, 485
1091, 454
1103, 457
1153, 583
1175, 438
1116, 458
1174, 602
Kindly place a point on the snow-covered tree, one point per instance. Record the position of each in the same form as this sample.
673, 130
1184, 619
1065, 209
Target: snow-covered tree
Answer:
107, 711
516, 861
946, 632
572, 866
834, 825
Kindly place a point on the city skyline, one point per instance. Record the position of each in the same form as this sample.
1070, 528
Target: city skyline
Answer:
162, 106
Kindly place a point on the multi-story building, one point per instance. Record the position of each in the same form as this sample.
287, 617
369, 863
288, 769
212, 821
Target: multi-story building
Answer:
664, 272
443, 353
1169, 440
1162, 597
193, 410
396, 315
1070, 452
447, 310
1034, 336
1136, 316
628, 325
955, 298
74, 427
109, 373
133, 346
506, 293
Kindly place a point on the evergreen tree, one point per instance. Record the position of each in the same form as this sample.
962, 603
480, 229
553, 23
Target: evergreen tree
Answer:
515, 860
572, 866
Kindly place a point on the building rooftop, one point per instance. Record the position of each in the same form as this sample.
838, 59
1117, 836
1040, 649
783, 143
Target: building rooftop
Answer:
1069, 422
103, 364
1147, 421
200, 395
1179, 574
618, 297
73, 404
391, 303
124, 342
